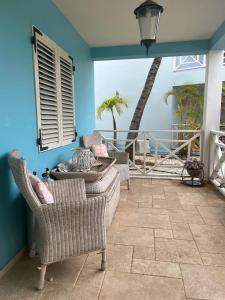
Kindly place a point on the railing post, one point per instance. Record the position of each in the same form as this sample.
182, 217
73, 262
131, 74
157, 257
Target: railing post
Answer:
212, 153
145, 153
156, 152
212, 102
189, 151
134, 151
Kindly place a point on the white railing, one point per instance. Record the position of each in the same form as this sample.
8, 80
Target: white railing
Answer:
159, 159
174, 129
217, 160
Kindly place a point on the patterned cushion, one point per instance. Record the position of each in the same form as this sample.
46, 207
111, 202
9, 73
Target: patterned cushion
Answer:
41, 190
92, 139
99, 150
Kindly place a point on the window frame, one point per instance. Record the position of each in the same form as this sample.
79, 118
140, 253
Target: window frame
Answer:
175, 69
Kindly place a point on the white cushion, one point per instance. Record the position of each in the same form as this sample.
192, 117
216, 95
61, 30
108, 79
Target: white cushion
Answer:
101, 185
41, 190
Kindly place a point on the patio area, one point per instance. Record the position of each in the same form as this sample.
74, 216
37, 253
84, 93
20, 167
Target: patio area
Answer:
167, 241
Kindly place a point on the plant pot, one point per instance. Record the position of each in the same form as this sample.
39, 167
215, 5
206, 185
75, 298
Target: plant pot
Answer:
195, 173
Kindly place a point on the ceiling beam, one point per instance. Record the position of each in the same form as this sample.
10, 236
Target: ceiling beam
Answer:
157, 50
217, 41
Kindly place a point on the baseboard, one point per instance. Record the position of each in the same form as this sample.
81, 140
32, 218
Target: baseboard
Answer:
12, 262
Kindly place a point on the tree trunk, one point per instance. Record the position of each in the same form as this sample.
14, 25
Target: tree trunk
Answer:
137, 116
114, 128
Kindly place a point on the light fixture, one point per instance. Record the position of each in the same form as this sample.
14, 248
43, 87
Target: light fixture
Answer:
148, 15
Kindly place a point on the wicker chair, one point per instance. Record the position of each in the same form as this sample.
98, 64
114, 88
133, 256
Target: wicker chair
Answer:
122, 158
71, 226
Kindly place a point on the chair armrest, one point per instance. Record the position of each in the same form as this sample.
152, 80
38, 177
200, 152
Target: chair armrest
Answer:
78, 224
121, 157
68, 190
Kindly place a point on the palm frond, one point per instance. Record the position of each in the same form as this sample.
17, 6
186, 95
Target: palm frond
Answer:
118, 109
172, 93
109, 103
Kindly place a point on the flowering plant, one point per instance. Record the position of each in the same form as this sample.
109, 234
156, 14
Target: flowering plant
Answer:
194, 164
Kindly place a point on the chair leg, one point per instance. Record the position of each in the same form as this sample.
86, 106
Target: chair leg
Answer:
103, 263
128, 184
41, 283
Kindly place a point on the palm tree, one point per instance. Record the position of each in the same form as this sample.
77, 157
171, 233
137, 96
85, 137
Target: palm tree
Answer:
189, 111
112, 104
139, 110
189, 104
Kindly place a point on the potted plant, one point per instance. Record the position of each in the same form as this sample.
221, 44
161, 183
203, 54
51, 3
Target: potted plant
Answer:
194, 168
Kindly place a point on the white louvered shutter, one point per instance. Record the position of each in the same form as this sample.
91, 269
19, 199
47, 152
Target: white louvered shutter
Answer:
67, 98
54, 93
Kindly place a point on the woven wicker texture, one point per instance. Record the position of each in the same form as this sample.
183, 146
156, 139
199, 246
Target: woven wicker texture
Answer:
71, 226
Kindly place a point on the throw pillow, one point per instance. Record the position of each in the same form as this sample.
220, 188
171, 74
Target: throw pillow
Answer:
99, 150
41, 190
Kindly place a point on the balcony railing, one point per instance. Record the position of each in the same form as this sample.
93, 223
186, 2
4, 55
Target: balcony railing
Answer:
154, 152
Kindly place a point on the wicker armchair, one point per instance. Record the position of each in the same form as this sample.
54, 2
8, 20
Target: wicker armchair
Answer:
71, 226
122, 158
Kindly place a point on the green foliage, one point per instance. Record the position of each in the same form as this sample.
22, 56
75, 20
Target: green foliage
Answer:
189, 104
110, 104
189, 109
223, 91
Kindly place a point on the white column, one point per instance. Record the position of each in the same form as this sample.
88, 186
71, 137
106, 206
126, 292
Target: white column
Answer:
212, 102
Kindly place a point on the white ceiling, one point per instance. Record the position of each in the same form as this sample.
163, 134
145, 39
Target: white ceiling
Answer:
112, 22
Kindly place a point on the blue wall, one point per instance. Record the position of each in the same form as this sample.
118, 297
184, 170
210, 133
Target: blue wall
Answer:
17, 104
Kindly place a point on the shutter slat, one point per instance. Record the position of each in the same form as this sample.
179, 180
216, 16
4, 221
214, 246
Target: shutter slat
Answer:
45, 62
66, 83
68, 129
49, 78
46, 84
47, 55
43, 57
67, 69
49, 108
49, 102
67, 89
68, 136
67, 93
46, 68
44, 89
67, 106
45, 47
46, 95
65, 76
67, 111
67, 98
49, 140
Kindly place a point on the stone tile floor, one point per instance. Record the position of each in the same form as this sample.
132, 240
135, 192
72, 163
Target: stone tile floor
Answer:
166, 242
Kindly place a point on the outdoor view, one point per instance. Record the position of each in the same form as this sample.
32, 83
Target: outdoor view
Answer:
155, 107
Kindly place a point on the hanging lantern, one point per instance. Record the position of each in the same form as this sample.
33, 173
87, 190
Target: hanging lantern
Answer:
148, 15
